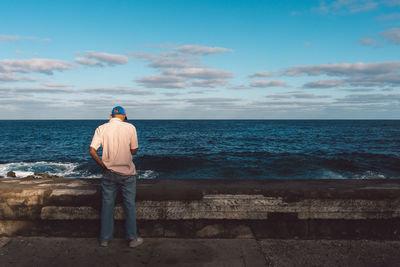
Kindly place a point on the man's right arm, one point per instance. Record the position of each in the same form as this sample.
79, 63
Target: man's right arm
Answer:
96, 158
96, 143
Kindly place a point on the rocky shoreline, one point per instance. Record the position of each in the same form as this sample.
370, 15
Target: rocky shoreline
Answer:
36, 175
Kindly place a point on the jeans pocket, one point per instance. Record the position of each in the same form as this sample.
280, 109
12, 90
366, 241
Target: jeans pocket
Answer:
127, 179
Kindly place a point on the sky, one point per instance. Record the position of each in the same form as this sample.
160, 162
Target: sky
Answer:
186, 59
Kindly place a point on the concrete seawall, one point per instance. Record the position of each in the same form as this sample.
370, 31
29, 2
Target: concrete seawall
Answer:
304, 209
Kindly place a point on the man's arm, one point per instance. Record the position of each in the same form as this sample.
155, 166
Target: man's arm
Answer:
133, 141
96, 158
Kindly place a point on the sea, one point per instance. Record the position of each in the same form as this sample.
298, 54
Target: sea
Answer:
210, 149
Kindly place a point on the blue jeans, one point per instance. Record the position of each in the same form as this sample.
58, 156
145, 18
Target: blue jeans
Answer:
111, 183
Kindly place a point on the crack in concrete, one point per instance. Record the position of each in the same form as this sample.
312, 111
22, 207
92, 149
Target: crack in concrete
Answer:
268, 261
4, 241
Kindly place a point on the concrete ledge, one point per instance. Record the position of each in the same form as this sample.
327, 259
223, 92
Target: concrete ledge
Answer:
209, 208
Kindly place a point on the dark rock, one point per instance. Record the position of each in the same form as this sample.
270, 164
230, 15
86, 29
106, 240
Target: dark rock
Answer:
46, 175
11, 174
43, 175
242, 231
214, 230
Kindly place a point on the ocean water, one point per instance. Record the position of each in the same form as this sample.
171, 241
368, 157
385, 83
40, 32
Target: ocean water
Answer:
281, 149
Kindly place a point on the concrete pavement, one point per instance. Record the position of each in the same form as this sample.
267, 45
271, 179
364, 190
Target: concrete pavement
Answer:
61, 251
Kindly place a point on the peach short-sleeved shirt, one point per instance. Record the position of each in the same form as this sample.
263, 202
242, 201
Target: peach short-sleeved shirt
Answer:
117, 139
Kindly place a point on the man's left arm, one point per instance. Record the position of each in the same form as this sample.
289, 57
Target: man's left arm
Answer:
134, 142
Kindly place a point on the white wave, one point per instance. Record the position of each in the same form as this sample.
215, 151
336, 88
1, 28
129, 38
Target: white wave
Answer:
65, 169
23, 169
92, 176
370, 175
366, 175
331, 175
146, 174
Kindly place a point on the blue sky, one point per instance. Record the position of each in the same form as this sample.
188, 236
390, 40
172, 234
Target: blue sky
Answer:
200, 59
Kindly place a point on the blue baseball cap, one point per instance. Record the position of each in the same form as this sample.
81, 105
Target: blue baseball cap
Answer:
118, 110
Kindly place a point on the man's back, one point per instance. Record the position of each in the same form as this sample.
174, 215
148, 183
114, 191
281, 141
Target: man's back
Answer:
119, 142
117, 138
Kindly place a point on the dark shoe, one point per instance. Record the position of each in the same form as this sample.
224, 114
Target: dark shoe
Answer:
133, 243
103, 244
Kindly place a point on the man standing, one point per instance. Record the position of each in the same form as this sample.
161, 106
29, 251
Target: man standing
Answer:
119, 141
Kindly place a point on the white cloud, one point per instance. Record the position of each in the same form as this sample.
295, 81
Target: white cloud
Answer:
162, 81
8, 77
40, 89
344, 69
323, 84
210, 83
392, 16
392, 35
369, 42
98, 59
60, 85
359, 90
41, 65
10, 38
170, 59
356, 74
265, 84
240, 87
262, 74
199, 73
292, 103
201, 91
385, 79
88, 62
19, 52
66, 88
119, 90
348, 6
211, 100
382, 99
170, 94
110, 59
214, 102
297, 95
181, 67
179, 57
391, 2
203, 50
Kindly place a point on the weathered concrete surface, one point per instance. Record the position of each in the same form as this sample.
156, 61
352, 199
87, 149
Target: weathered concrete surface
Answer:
210, 208
41, 251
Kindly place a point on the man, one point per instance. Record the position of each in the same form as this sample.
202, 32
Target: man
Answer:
119, 141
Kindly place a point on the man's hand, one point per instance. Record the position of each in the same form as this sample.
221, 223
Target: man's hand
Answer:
96, 158
105, 171
134, 151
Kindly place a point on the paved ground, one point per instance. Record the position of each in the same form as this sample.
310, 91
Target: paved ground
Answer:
58, 251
